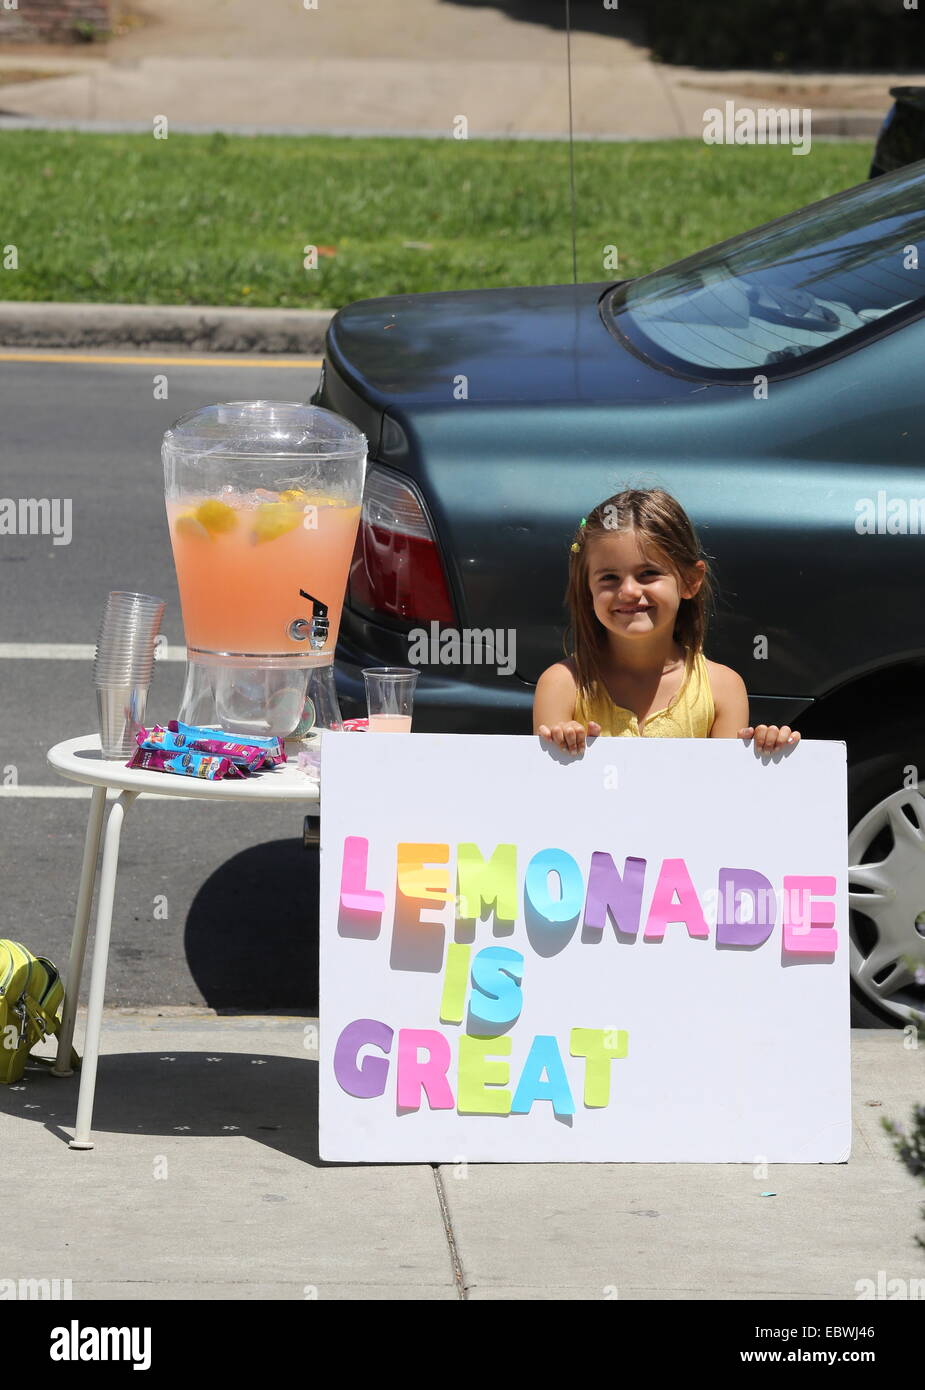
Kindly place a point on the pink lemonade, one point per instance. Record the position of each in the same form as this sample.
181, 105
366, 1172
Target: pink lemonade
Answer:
390, 723
241, 561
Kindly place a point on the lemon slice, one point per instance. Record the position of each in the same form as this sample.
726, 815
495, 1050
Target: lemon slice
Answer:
187, 525
217, 517
274, 519
314, 499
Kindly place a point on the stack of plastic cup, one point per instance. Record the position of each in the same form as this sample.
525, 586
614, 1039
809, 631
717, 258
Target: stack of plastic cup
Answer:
123, 668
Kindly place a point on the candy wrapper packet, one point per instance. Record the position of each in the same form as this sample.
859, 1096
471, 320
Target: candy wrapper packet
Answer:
186, 763
213, 741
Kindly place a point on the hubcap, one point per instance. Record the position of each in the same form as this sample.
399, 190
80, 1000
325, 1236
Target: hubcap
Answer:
886, 890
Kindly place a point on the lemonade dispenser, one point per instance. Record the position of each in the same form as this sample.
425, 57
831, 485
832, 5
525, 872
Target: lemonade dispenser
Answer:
263, 503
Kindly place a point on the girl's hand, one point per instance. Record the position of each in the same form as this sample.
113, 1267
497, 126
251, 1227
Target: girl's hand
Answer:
768, 737
569, 735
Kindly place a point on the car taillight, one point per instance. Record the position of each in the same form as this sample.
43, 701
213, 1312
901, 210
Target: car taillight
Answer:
396, 568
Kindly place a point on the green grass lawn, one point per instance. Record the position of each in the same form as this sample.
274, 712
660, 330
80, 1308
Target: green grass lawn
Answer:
217, 219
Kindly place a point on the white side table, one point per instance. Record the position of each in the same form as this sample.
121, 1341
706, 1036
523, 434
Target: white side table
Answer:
80, 760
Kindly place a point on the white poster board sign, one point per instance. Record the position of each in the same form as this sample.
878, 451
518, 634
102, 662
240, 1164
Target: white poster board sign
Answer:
640, 954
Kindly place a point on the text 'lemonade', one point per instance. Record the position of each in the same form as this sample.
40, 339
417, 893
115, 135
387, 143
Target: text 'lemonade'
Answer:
242, 559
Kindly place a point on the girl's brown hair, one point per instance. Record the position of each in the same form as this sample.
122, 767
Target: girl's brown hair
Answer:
663, 524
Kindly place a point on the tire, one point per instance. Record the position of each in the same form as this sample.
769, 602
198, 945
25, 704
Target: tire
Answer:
886, 876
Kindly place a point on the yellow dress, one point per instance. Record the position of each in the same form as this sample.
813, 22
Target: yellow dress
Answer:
689, 714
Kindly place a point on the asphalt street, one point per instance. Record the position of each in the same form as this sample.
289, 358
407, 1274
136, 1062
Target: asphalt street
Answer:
240, 890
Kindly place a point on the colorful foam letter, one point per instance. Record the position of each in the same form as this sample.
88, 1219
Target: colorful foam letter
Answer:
492, 884
609, 893
368, 1079
496, 975
567, 906
808, 926
453, 1002
543, 1056
732, 884
354, 895
599, 1047
480, 1079
415, 1076
672, 879
417, 878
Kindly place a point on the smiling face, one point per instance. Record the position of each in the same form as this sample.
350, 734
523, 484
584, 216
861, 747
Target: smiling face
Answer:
633, 589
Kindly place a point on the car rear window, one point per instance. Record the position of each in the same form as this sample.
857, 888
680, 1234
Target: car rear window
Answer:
788, 295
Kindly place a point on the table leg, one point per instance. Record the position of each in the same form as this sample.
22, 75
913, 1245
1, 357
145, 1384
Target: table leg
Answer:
75, 966
108, 871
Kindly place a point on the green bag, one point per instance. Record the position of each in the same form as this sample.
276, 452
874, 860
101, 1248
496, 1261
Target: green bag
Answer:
31, 993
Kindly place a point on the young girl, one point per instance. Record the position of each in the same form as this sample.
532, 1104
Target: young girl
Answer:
638, 595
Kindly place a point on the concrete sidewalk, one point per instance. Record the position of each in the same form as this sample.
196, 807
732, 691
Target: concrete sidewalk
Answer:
205, 1183
633, 99
408, 67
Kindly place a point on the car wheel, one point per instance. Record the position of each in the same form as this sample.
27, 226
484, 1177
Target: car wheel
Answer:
886, 877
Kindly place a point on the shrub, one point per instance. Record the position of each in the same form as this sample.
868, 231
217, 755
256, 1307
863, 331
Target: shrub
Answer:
826, 35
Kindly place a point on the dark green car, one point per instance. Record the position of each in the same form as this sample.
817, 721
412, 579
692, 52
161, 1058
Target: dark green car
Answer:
773, 384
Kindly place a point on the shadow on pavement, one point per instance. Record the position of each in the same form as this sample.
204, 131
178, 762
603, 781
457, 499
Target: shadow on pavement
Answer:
251, 937
266, 1097
626, 21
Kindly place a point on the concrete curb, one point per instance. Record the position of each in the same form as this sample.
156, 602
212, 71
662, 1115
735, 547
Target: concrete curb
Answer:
826, 125
200, 328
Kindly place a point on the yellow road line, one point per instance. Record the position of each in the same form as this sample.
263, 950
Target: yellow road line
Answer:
140, 359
